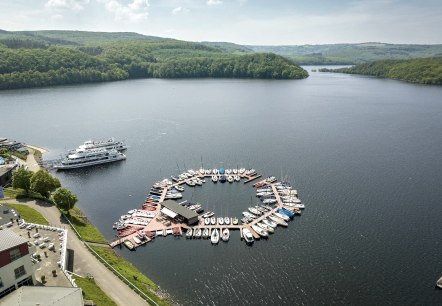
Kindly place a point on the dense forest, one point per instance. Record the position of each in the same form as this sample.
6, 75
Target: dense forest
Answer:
421, 70
351, 54
64, 57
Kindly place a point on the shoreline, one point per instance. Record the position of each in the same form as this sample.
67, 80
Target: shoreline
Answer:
41, 149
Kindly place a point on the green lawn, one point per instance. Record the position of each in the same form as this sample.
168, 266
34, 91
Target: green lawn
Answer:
87, 231
28, 213
130, 272
91, 291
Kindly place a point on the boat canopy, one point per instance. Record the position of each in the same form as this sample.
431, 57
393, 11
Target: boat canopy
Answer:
168, 212
221, 171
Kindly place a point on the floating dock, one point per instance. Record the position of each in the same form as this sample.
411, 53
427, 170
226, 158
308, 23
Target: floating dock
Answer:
158, 226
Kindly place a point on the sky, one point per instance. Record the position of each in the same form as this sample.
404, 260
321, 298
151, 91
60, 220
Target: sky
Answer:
253, 22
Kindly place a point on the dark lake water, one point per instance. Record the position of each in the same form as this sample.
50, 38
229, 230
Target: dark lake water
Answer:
365, 155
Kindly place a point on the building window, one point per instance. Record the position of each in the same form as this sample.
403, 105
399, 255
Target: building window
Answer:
19, 272
15, 254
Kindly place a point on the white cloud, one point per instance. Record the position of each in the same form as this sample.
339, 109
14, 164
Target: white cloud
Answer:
134, 11
214, 2
75, 5
180, 10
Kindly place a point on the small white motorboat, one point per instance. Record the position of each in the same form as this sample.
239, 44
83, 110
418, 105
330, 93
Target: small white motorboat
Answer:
282, 216
206, 221
198, 233
226, 220
213, 220
270, 223
241, 171
260, 231
230, 179
226, 234
220, 220
206, 233
235, 221
237, 178
208, 214
189, 233
214, 178
254, 211
214, 238
247, 235
265, 227
279, 221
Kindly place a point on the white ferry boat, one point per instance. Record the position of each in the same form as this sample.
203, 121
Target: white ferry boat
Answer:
90, 157
101, 144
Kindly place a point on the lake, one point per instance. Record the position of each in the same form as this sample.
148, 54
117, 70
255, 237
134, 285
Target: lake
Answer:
365, 155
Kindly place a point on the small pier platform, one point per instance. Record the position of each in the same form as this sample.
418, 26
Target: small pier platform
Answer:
251, 178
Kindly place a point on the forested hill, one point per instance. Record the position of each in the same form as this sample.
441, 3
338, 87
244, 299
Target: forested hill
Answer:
331, 54
421, 70
46, 58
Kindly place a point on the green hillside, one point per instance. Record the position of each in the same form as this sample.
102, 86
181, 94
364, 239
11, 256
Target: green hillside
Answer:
422, 70
350, 53
47, 58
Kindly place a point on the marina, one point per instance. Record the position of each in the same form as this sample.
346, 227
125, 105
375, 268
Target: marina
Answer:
162, 215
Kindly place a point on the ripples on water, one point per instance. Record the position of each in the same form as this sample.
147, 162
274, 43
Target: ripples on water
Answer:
364, 154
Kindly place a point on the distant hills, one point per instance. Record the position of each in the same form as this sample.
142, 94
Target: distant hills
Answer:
419, 70
42, 58
47, 58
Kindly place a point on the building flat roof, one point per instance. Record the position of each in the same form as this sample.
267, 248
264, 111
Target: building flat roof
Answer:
55, 296
179, 209
9, 239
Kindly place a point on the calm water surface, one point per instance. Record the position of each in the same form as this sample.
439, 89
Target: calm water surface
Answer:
364, 153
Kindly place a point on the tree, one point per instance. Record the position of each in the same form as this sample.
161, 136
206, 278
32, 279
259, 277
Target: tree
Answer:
22, 179
44, 183
64, 199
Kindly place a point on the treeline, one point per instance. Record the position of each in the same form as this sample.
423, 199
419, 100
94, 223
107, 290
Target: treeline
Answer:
29, 66
421, 70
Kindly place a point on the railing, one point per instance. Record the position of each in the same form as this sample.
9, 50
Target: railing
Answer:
62, 263
118, 274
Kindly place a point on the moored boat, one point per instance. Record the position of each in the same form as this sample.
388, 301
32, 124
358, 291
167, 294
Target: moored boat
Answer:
260, 231
214, 238
205, 233
220, 220
208, 214
225, 234
86, 158
226, 220
212, 220
206, 221
286, 212
189, 233
235, 221
270, 223
254, 211
247, 235
279, 221
282, 216
265, 227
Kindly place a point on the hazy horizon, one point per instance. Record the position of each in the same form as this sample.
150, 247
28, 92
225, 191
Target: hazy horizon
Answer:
244, 22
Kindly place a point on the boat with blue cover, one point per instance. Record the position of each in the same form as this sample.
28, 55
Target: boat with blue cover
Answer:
286, 212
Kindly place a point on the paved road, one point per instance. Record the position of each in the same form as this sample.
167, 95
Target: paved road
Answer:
85, 262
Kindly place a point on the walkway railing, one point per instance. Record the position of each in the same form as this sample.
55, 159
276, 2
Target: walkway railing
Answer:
118, 274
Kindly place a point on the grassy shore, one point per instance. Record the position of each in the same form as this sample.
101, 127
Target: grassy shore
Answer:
28, 213
81, 223
91, 291
130, 272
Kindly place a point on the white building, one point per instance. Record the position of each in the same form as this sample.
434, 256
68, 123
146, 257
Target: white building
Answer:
16, 267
